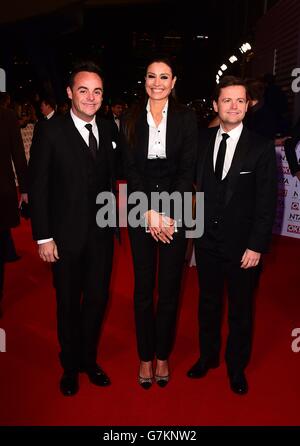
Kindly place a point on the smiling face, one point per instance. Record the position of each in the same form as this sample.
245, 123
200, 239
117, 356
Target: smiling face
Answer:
86, 95
231, 106
159, 81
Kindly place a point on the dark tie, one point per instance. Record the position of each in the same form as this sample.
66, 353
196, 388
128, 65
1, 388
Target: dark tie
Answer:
92, 140
221, 157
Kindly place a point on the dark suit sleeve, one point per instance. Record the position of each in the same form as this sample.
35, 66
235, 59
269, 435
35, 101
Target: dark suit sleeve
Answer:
266, 200
131, 172
18, 154
290, 152
39, 178
187, 162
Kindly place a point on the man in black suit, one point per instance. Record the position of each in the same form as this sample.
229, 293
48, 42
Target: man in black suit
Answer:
48, 107
71, 163
237, 173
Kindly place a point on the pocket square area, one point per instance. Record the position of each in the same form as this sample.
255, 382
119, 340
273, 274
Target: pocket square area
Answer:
114, 145
244, 173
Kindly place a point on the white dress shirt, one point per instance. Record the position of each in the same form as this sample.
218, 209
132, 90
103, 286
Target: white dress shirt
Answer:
50, 115
234, 136
157, 135
117, 121
84, 132
81, 127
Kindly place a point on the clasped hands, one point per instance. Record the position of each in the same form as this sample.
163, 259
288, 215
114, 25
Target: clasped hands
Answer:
160, 226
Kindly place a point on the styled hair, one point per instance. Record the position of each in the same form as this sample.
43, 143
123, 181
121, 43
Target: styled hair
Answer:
163, 58
139, 107
229, 81
88, 66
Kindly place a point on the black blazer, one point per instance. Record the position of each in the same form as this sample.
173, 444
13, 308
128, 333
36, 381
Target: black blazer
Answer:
58, 189
181, 149
250, 200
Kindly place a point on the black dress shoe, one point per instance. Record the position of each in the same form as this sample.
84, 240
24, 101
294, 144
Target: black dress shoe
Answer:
238, 383
200, 369
69, 383
96, 375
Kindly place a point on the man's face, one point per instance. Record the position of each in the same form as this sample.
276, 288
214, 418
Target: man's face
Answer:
86, 95
45, 108
231, 106
117, 110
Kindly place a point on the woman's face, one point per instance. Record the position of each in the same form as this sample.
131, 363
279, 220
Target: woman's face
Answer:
159, 81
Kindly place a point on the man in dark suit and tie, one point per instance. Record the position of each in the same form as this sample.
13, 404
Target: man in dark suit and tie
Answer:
71, 163
237, 172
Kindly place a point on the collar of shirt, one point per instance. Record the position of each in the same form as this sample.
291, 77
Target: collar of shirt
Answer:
234, 133
157, 134
150, 119
81, 127
50, 115
231, 143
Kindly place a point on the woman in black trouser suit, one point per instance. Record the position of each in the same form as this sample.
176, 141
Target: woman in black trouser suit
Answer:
159, 139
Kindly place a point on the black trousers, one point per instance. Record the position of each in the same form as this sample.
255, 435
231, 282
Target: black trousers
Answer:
155, 328
82, 279
213, 272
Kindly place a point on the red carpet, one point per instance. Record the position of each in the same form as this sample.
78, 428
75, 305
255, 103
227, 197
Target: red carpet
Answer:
30, 372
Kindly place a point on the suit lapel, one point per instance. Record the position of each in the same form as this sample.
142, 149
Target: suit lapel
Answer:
237, 163
75, 140
105, 143
171, 132
143, 138
208, 147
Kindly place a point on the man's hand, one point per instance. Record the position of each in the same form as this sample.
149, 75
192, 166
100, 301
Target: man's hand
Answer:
161, 227
48, 251
250, 259
298, 175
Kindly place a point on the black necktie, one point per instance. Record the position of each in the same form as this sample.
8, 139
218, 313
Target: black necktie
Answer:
92, 140
221, 157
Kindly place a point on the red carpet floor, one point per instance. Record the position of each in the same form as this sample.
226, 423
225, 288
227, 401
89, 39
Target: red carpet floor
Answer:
30, 372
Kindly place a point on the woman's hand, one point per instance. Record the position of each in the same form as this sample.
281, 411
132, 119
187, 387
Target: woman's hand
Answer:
161, 227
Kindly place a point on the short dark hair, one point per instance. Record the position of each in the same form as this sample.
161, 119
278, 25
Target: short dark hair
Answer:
88, 66
49, 100
229, 81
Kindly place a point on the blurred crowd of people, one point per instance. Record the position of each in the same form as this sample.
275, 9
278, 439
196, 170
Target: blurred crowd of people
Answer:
30, 112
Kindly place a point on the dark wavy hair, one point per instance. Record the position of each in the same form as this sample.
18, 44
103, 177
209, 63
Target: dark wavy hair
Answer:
132, 115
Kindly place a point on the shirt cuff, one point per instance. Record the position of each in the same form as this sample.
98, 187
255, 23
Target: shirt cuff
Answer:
45, 240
